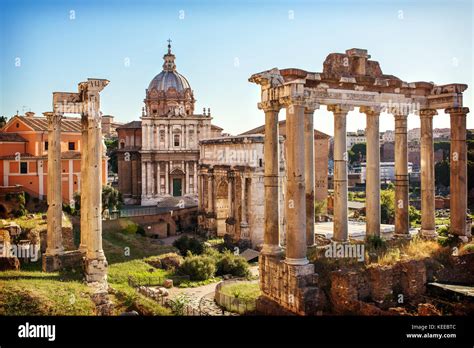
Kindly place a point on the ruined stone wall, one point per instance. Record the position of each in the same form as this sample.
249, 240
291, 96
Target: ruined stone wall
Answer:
294, 288
377, 288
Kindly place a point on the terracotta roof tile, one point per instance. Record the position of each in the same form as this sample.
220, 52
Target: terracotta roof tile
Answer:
68, 124
11, 138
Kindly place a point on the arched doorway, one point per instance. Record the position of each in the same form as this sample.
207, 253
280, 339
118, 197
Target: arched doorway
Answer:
177, 182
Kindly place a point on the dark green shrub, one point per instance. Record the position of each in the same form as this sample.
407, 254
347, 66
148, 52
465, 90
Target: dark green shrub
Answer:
185, 244
198, 267
375, 243
169, 261
236, 265
140, 230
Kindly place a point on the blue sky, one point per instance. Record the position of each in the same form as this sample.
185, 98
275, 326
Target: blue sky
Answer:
218, 45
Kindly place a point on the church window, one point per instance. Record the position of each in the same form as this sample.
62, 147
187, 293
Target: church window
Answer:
176, 140
71, 146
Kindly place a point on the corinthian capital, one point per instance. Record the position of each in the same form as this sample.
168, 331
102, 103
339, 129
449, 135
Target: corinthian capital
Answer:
270, 106
428, 112
371, 110
54, 119
457, 111
340, 108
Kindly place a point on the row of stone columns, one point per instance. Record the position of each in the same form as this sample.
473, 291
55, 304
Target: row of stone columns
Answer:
300, 175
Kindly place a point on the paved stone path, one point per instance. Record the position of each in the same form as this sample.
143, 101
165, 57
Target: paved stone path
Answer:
202, 297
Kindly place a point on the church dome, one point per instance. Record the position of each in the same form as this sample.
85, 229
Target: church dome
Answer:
169, 79
169, 93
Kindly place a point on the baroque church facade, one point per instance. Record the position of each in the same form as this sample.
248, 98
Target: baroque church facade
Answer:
158, 156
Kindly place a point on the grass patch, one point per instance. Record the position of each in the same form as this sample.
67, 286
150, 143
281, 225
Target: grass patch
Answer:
415, 249
242, 290
125, 296
194, 284
120, 246
38, 293
138, 271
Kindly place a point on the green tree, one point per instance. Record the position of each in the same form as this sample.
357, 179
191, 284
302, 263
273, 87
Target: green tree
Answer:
442, 173
111, 198
112, 146
3, 121
357, 152
445, 146
387, 206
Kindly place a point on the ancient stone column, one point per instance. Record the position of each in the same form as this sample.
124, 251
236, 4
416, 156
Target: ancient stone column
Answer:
372, 182
199, 186
159, 192
296, 191
458, 171
428, 227
271, 236
210, 194
54, 232
195, 181
143, 180
244, 225
340, 232
96, 264
309, 173
84, 181
402, 202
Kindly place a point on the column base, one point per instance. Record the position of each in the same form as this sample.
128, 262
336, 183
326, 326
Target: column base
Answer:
95, 270
244, 230
430, 234
272, 250
337, 240
406, 236
296, 262
51, 263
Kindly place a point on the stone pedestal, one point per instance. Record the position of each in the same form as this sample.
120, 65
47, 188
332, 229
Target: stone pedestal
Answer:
288, 288
428, 227
458, 171
402, 224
